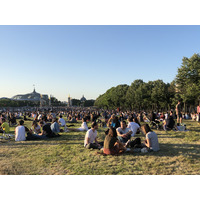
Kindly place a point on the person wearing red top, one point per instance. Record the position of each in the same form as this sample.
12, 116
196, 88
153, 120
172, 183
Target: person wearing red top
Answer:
198, 111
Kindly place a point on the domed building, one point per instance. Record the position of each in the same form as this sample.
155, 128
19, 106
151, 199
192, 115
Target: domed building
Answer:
34, 96
83, 99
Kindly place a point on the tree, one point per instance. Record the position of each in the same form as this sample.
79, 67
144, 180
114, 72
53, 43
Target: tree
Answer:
188, 80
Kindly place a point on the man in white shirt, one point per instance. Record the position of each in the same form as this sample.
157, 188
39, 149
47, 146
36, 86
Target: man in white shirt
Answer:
134, 127
91, 138
62, 121
123, 133
20, 132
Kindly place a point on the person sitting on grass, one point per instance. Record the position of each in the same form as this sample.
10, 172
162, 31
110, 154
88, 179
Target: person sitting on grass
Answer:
12, 120
181, 127
20, 132
110, 121
112, 146
133, 126
91, 138
5, 126
83, 127
61, 121
169, 123
124, 134
36, 128
55, 127
45, 134
151, 142
46, 130
115, 123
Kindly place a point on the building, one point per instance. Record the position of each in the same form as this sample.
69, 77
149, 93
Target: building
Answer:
83, 99
69, 101
34, 96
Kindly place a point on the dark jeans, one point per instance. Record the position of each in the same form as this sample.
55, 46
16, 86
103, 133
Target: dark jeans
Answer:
136, 143
124, 140
35, 137
94, 146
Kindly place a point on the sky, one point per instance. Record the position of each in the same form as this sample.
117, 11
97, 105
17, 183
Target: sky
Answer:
88, 60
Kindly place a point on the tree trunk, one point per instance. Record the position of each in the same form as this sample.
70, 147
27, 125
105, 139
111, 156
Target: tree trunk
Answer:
184, 107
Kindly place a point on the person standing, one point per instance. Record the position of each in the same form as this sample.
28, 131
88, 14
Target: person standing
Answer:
198, 112
178, 112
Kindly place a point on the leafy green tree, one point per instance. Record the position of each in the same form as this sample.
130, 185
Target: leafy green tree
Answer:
188, 80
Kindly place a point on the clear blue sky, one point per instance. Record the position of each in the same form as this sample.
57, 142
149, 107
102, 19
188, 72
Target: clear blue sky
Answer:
77, 60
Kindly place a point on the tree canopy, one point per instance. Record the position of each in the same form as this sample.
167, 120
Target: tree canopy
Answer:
157, 95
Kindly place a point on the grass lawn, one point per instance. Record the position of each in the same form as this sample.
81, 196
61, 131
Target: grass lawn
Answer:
179, 155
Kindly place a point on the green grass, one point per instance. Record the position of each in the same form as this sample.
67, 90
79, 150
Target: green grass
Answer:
179, 155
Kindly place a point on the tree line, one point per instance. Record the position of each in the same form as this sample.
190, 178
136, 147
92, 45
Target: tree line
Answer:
157, 95
16, 103
87, 103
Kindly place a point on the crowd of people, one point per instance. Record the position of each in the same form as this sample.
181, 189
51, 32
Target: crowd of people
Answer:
122, 126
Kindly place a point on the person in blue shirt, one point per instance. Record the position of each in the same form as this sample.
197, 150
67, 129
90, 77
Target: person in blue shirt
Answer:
55, 126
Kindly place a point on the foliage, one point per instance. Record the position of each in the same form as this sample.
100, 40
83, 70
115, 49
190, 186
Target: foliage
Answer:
157, 95
140, 95
188, 79
87, 103
13, 103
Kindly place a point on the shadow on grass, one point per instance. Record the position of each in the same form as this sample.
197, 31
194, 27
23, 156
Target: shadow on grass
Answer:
167, 150
63, 139
172, 150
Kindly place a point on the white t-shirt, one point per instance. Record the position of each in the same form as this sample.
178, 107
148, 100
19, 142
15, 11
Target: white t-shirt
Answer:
39, 117
62, 121
20, 134
37, 129
133, 127
90, 134
84, 126
154, 141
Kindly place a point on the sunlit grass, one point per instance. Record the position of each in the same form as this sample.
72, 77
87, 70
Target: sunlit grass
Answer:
180, 153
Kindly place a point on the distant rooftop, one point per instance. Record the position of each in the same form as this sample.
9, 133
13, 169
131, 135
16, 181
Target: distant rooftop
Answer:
34, 96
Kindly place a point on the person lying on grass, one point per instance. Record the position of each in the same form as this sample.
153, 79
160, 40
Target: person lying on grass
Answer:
151, 142
181, 127
83, 127
91, 138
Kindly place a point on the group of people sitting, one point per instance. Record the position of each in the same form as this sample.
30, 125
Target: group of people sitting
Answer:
120, 136
118, 139
41, 128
